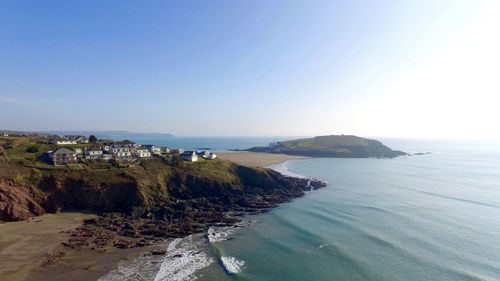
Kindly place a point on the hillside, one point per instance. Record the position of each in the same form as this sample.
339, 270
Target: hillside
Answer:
343, 146
155, 187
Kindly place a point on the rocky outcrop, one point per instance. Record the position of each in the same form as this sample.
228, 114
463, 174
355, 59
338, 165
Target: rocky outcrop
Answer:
156, 191
336, 146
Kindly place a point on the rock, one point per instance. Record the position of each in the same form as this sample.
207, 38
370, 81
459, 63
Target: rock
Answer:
123, 244
158, 252
17, 203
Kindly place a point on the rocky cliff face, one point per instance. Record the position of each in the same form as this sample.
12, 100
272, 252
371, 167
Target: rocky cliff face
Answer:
17, 203
152, 189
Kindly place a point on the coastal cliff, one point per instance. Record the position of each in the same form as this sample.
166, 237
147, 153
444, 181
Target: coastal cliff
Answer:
340, 146
155, 198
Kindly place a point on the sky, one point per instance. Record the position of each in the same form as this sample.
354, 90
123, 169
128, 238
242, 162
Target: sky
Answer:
415, 69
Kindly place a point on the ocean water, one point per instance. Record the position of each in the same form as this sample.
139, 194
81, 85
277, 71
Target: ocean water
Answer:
429, 217
214, 143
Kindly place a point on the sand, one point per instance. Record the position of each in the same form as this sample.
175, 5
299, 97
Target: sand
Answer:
84, 265
257, 159
23, 244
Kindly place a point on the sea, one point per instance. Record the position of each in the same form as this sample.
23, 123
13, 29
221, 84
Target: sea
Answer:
434, 216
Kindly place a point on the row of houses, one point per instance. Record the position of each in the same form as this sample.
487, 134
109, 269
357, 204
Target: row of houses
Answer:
121, 151
70, 139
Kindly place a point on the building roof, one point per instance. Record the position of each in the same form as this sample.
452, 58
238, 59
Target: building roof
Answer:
73, 137
63, 150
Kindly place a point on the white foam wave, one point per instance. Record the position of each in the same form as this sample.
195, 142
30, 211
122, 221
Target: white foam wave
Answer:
216, 236
182, 260
282, 168
232, 265
322, 246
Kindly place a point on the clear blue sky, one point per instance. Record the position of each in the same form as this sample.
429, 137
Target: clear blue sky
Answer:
372, 68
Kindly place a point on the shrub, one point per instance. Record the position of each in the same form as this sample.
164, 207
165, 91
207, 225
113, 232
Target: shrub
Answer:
33, 149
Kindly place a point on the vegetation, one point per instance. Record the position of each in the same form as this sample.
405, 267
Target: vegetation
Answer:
92, 139
33, 149
30, 186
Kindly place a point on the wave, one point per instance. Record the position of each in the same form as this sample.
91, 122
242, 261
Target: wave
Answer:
216, 236
232, 265
282, 168
182, 260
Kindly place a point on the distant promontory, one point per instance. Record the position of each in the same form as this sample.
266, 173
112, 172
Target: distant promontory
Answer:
339, 146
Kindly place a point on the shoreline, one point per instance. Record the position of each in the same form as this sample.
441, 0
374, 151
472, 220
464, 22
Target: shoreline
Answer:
24, 245
92, 264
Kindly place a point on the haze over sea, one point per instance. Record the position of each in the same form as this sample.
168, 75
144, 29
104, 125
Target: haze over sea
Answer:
429, 217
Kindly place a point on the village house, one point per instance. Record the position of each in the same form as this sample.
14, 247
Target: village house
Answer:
93, 153
5, 134
121, 152
177, 151
61, 141
63, 156
143, 153
65, 142
153, 149
189, 156
209, 155
77, 138
106, 157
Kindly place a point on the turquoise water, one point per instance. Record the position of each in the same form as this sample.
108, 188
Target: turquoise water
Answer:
430, 217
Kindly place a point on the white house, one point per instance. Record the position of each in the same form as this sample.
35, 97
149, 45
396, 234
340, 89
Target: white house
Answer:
77, 138
65, 142
121, 152
154, 149
143, 153
5, 134
209, 155
78, 150
93, 154
106, 157
189, 156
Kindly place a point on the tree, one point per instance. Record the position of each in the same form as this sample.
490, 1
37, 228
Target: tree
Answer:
33, 149
92, 139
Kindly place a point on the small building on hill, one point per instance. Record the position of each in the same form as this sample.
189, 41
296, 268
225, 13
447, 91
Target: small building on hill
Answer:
63, 156
153, 148
143, 153
65, 142
209, 155
77, 138
189, 156
93, 153
121, 152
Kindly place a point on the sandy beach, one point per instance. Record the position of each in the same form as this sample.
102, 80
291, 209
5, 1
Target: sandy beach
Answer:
84, 265
257, 159
23, 244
